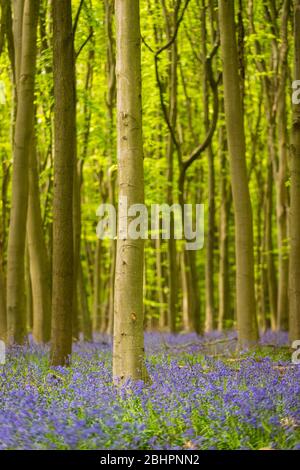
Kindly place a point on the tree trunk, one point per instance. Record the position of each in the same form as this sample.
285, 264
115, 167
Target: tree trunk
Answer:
3, 324
160, 285
98, 311
269, 255
193, 298
260, 244
76, 245
281, 176
128, 351
18, 10
64, 127
172, 262
294, 287
185, 297
38, 257
28, 292
110, 103
210, 237
224, 284
3, 236
246, 314
84, 308
16, 304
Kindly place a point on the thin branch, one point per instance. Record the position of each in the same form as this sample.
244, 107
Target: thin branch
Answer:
77, 17
158, 79
173, 38
163, 106
84, 44
159, 82
147, 45
214, 86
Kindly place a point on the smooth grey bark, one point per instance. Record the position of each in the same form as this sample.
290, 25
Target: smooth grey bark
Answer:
38, 257
172, 258
110, 104
98, 311
225, 194
128, 349
210, 238
25, 66
281, 174
86, 321
245, 290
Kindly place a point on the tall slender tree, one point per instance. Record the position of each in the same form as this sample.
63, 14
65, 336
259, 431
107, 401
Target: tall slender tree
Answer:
128, 350
38, 257
281, 172
110, 104
294, 286
209, 261
3, 324
6, 38
225, 194
26, 14
64, 129
245, 292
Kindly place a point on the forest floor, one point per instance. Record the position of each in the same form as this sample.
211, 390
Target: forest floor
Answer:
202, 395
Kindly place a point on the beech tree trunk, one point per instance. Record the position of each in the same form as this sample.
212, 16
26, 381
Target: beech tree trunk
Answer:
18, 10
281, 176
64, 128
110, 104
76, 245
25, 66
210, 237
224, 284
172, 258
84, 308
38, 257
245, 291
160, 285
3, 324
294, 286
28, 291
128, 349
98, 311
190, 307
271, 272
